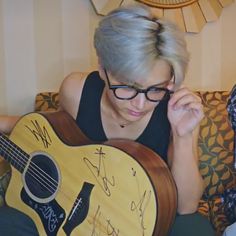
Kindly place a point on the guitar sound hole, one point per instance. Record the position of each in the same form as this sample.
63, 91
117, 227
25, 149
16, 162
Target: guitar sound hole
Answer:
42, 177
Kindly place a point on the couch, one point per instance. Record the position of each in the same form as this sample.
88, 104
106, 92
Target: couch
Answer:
215, 150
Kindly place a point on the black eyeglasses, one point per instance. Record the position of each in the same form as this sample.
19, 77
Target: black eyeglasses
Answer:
127, 92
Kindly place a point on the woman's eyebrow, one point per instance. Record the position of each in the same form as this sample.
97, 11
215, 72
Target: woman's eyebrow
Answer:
154, 85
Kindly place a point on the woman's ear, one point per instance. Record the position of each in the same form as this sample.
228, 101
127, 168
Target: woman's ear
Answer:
101, 70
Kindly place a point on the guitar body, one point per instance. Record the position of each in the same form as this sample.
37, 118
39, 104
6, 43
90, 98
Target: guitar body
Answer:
70, 186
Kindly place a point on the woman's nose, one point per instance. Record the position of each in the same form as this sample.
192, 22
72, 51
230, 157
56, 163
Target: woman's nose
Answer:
139, 101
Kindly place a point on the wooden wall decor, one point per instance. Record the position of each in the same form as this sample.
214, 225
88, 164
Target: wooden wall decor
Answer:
189, 15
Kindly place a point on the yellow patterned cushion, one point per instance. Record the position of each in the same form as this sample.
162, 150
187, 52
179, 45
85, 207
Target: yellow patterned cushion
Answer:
216, 144
214, 210
216, 157
47, 101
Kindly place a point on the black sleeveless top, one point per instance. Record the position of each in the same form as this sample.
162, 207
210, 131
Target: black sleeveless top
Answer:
155, 136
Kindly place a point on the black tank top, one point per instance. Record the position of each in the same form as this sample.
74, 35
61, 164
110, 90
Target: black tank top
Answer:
155, 136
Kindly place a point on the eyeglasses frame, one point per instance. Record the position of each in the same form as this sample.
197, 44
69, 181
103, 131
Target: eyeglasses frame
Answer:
145, 91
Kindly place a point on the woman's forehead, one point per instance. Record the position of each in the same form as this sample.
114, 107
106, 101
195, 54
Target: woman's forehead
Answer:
159, 75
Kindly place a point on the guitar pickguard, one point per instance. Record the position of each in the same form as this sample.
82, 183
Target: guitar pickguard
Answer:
51, 214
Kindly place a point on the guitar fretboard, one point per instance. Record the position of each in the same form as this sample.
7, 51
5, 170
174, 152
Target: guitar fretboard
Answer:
12, 153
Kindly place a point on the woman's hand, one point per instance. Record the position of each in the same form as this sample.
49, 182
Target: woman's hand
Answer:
185, 111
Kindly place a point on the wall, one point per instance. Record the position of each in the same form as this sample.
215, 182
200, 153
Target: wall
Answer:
213, 61
43, 41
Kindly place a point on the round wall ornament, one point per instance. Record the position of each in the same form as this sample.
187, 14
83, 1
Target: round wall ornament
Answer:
189, 15
167, 3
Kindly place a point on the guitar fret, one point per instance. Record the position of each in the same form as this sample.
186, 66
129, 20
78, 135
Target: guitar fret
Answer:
13, 154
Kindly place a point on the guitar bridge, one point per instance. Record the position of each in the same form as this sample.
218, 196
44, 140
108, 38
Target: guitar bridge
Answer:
79, 210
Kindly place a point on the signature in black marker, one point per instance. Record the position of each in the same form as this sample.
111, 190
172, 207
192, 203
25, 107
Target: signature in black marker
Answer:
111, 229
96, 222
99, 171
141, 206
40, 133
98, 227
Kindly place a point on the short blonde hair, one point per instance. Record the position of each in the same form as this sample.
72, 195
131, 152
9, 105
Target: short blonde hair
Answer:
129, 41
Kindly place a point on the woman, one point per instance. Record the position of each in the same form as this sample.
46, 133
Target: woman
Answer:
137, 93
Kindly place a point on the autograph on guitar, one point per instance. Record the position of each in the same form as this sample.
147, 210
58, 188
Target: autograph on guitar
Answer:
71, 186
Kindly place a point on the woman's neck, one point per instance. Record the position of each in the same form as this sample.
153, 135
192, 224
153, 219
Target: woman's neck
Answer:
109, 111
115, 126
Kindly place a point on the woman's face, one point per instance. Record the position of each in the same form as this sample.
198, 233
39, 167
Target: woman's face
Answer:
136, 108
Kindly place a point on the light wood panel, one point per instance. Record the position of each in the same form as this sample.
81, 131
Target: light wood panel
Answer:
176, 16
196, 13
193, 18
158, 12
225, 3
102, 7
211, 9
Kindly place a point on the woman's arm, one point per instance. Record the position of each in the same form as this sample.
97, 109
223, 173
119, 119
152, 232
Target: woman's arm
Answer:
185, 113
7, 123
183, 160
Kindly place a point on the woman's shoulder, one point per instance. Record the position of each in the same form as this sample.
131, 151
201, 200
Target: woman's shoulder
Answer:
70, 92
75, 78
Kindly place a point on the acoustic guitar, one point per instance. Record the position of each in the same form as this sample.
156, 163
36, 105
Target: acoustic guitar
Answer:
71, 186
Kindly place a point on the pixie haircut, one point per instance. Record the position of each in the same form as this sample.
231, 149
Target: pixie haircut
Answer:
130, 40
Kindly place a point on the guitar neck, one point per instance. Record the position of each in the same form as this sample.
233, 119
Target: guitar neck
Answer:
12, 153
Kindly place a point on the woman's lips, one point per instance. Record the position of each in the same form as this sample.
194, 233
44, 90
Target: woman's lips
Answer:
135, 113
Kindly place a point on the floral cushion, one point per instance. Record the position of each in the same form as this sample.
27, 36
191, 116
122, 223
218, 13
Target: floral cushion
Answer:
216, 144
214, 210
215, 148
47, 101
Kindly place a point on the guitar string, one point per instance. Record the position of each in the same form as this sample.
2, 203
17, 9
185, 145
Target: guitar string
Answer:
47, 186
7, 143
43, 183
22, 162
25, 156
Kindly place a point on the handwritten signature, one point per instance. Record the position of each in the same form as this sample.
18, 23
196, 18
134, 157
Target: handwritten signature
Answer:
99, 172
40, 133
141, 206
97, 225
50, 216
